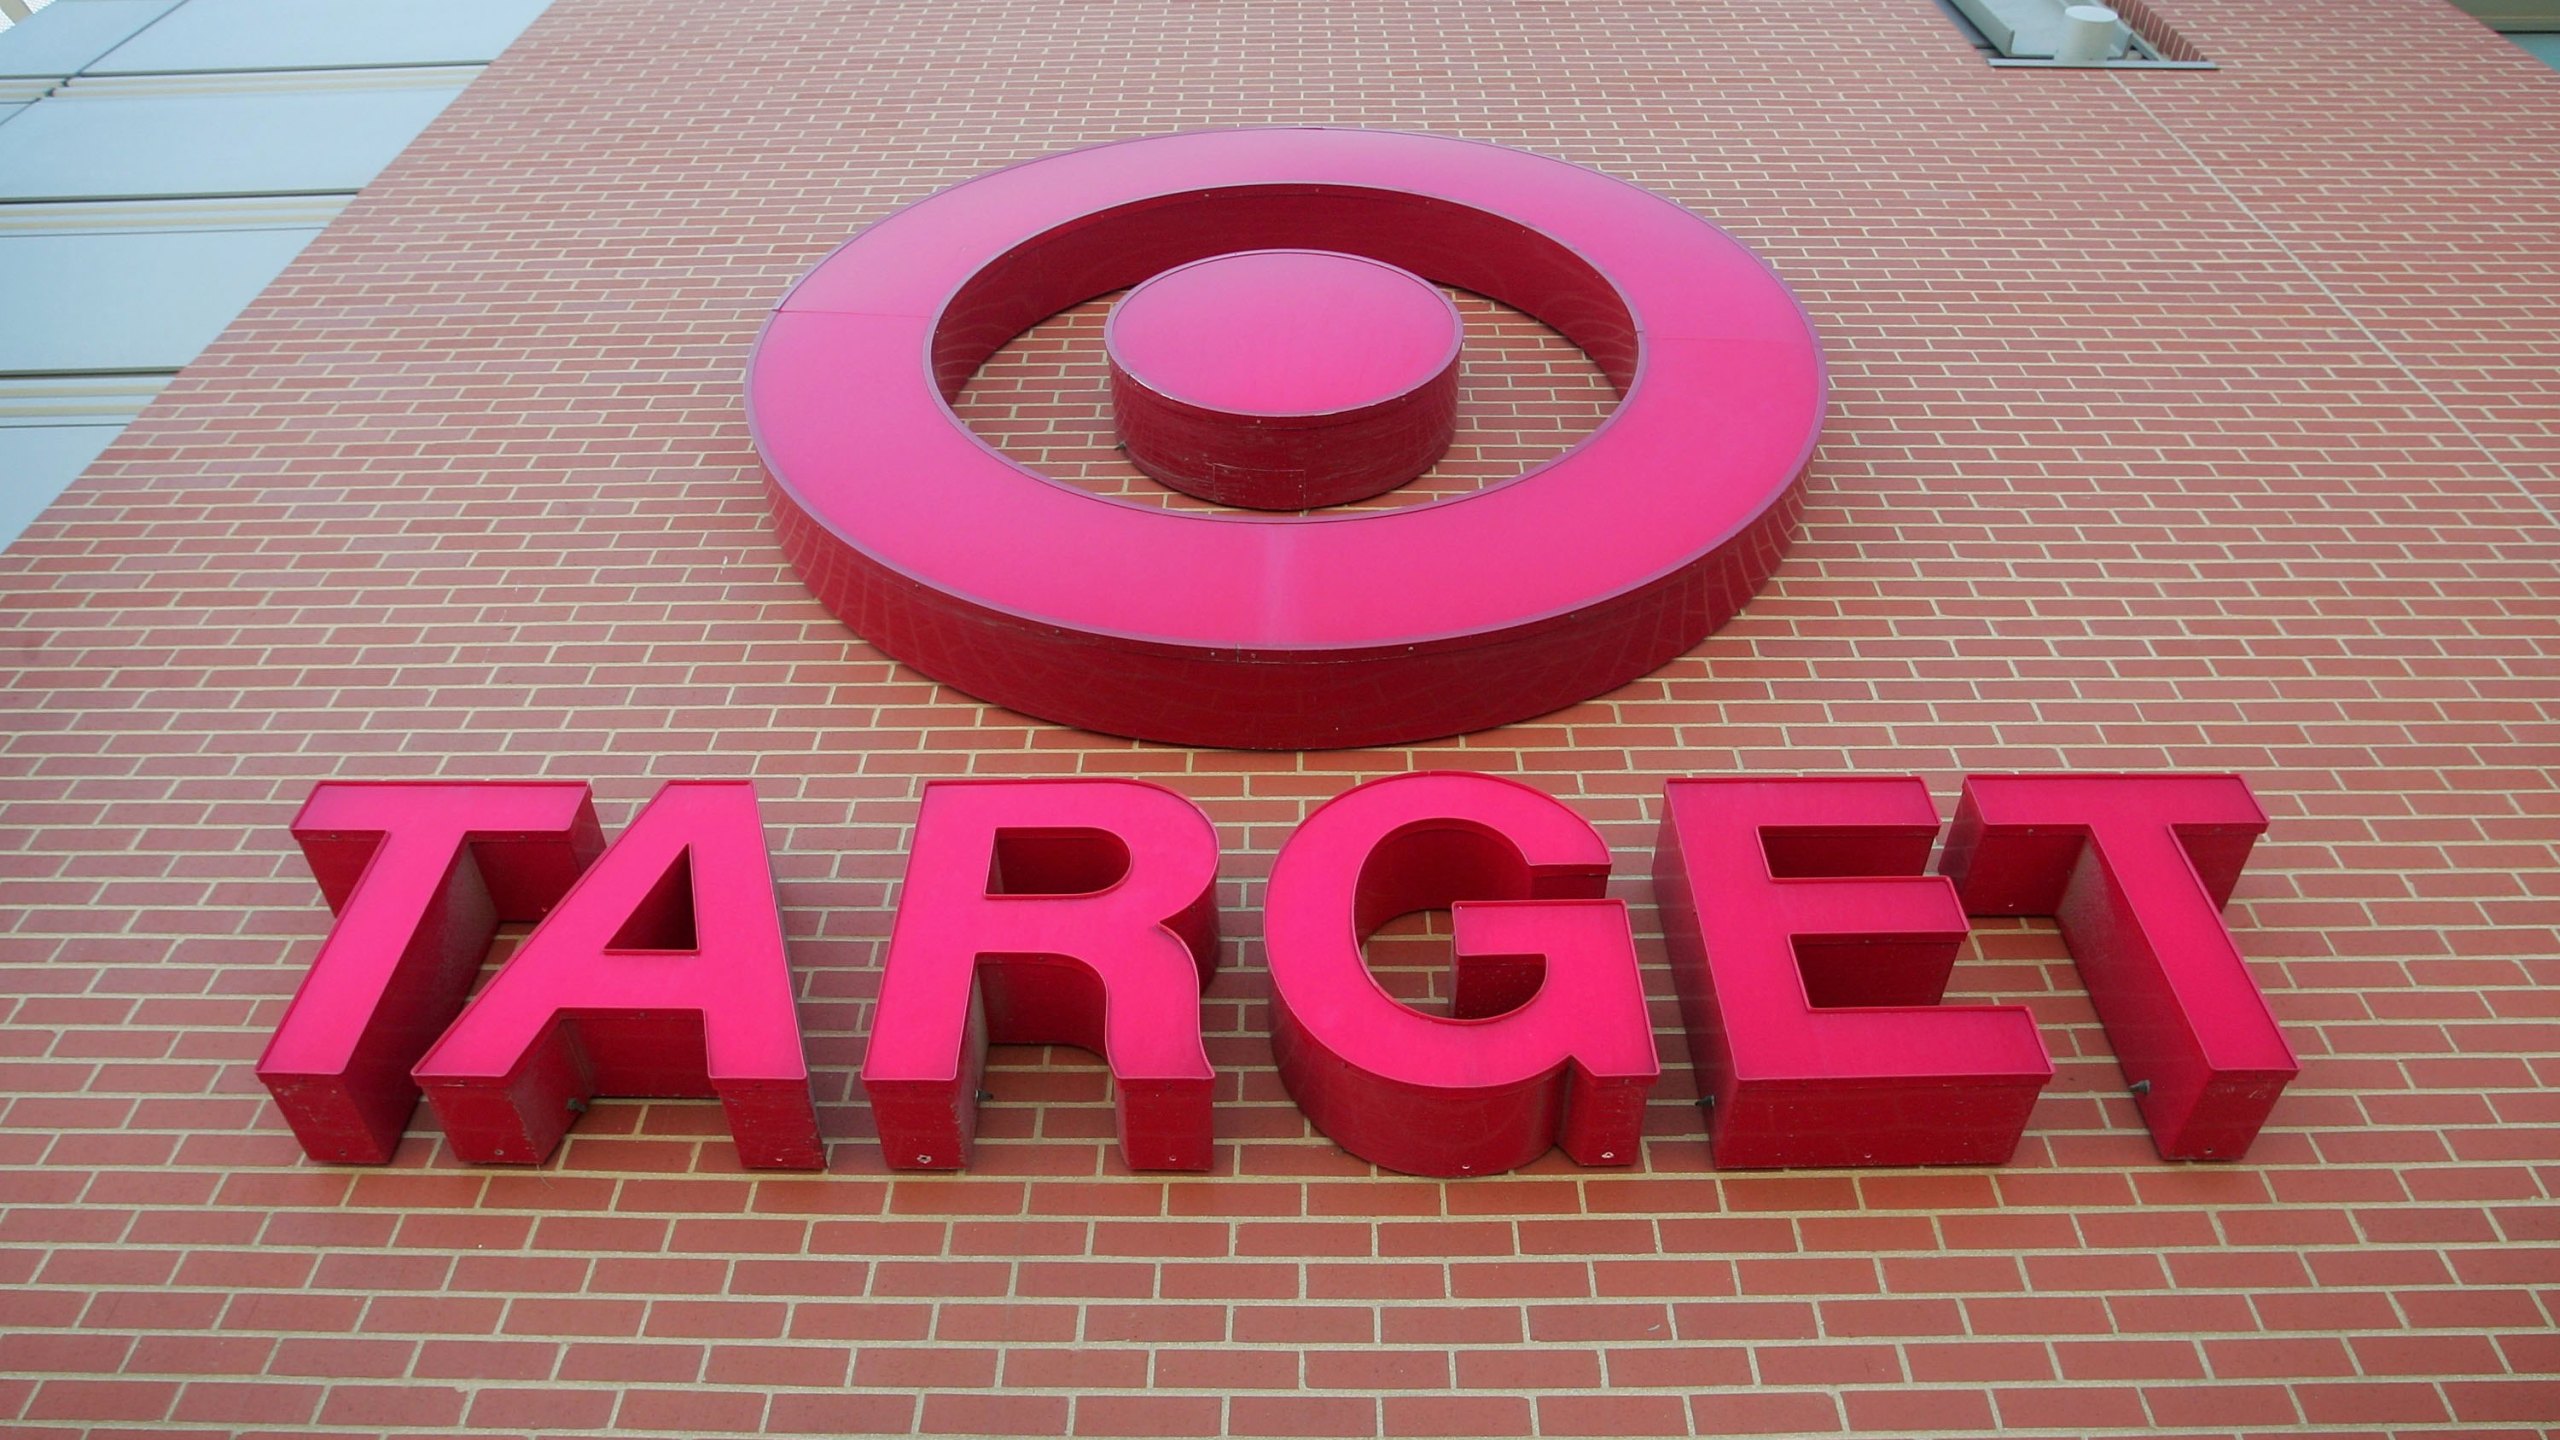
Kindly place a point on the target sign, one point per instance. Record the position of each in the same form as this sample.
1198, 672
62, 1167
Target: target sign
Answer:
1305, 364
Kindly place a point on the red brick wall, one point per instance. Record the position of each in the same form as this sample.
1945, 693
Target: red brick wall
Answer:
2198, 420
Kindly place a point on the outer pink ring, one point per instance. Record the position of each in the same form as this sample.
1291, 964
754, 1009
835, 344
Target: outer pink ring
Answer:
1269, 631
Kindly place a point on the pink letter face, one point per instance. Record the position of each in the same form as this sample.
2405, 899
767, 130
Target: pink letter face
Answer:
1049, 912
2136, 869
1810, 953
420, 875
661, 974
1551, 1044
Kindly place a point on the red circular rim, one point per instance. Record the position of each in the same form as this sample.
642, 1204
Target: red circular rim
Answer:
873, 474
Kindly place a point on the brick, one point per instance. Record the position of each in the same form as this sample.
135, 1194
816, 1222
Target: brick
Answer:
616, 1361
1558, 1369
1807, 1277
1088, 1369
1306, 1324
1661, 1278
691, 1411
2221, 1405
1424, 1282
533, 1408
993, 1414
1950, 1274
2130, 1359
1612, 1415
2268, 1359
822, 1414
1689, 1367
2039, 1315
913, 1367
1554, 1324
2368, 1402
1227, 1369
1037, 1321
578, 1316
1455, 1415
1848, 1318
1452, 1324
73, 1399
1519, 1279
387, 1406
1827, 1363
1978, 1361
1905, 1411
1157, 1324
2326, 1310
1725, 1319
2071, 1407
344, 1359
1145, 1415
31, 1353
2184, 1312
1767, 1412
2525, 1400
1301, 1415
477, 1359
2467, 1309
1374, 1369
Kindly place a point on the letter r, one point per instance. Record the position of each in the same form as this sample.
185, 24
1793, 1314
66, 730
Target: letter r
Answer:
1049, 912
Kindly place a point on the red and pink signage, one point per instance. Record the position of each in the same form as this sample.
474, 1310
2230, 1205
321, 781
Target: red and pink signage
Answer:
1280, 351
1285, 348
1808, 946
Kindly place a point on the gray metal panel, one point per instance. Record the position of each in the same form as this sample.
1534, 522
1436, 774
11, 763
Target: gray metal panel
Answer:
135, 146
130, 302
311, 34
1992, 19
2027, 29
2515, 14
118, 217
2545, 48
59, 39
76, 399
38, 462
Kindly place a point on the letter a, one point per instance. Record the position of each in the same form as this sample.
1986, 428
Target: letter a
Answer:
661, 974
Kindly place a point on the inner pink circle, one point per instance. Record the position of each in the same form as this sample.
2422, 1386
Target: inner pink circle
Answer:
1284, 333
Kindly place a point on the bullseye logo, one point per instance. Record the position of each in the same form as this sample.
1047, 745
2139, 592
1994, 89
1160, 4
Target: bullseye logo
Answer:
1282, 352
